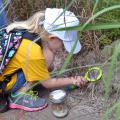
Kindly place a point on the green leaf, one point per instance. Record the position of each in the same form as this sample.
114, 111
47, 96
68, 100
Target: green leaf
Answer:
97, 26
107, 82
68, 58
98, 14
87, 23
109, 110
95, 6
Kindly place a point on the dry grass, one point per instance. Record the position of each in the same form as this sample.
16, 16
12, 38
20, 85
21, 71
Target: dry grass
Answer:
22, 9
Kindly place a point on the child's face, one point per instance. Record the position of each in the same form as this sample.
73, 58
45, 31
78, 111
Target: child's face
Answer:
55, 44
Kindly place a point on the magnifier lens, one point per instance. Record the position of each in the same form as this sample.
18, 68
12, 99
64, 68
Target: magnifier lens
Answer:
93, 74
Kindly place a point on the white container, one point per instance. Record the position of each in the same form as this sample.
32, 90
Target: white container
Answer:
58, 100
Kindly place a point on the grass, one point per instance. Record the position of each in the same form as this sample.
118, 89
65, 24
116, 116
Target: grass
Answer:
83, 9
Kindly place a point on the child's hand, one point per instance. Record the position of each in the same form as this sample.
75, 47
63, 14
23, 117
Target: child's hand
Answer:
79, 81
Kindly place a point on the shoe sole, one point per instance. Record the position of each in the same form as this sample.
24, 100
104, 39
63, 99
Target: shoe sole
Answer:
16, 106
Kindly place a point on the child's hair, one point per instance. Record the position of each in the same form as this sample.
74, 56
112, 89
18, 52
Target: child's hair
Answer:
31, 24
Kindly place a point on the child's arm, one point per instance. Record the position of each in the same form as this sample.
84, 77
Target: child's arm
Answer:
60, 82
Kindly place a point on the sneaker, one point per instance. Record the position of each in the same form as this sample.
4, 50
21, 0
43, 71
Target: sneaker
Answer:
27, 101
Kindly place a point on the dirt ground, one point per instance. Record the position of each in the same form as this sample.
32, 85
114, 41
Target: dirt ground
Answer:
86, 103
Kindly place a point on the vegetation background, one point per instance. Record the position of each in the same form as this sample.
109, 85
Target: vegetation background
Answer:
22, 9
93, 39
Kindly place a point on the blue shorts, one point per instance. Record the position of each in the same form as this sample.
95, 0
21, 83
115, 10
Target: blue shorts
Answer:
19, 82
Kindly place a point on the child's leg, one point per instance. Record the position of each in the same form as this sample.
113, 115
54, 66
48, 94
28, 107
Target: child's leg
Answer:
20, 82
22, 100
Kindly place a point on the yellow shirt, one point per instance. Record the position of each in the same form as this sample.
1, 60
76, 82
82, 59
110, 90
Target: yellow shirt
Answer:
30, 58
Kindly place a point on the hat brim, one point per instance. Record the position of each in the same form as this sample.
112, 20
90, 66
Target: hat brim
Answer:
69, 45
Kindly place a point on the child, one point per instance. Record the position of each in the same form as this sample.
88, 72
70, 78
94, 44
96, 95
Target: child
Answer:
35, 60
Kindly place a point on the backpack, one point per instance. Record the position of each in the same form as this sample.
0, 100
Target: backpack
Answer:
9, 43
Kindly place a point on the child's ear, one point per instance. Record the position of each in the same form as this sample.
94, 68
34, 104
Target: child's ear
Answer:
52, 37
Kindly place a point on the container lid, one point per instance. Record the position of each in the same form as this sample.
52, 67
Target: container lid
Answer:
57, 96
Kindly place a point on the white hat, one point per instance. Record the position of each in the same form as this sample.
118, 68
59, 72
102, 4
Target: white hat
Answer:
56, 18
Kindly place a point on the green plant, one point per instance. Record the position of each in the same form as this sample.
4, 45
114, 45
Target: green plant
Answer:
105, 41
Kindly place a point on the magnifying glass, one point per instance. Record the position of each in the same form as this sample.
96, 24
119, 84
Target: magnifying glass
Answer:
93, 74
